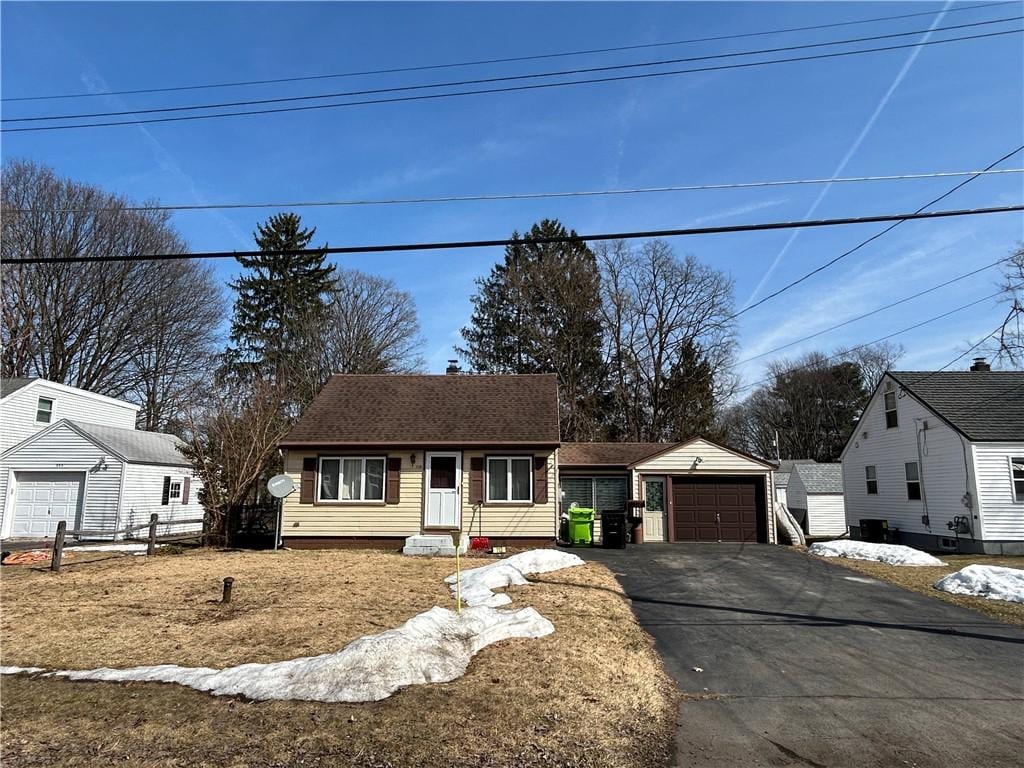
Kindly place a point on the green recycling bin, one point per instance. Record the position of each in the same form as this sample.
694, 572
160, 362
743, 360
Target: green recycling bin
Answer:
581, 527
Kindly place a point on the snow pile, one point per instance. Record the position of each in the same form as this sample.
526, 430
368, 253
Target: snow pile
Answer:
433, 647
892, 554
989, 581
20, 670
478, 584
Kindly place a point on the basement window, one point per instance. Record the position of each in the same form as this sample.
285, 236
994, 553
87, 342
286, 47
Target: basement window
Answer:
871, 477
892, 419
913, 481
1017, 472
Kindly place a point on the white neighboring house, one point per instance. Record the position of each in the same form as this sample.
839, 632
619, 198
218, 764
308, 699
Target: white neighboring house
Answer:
940, 456
815, 494
68, 454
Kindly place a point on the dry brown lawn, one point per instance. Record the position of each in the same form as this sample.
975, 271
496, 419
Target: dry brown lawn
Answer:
922, 579
592, 694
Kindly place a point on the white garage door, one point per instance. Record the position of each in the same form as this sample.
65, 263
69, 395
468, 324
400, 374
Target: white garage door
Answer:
43, 500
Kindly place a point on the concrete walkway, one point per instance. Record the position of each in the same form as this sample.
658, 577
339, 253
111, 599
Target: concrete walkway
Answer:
807, 663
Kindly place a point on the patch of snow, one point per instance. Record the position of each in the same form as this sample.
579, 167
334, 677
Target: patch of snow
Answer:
20, 670
432, 647
892, 554
992, 582
478, 584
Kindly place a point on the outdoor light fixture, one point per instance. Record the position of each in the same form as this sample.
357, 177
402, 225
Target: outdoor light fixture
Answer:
412, 459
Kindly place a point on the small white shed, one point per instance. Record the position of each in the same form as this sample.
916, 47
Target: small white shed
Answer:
815, 497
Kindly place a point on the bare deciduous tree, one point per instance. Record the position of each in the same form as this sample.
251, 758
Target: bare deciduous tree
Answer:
1009, 340
137, 330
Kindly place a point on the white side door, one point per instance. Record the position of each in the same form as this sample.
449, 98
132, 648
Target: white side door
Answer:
44, 499
443, 481
654, 510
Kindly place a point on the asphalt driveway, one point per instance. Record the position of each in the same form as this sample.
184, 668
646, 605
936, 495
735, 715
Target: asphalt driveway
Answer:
808, 663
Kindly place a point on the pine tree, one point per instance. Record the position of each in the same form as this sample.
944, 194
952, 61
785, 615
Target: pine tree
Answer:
280, 305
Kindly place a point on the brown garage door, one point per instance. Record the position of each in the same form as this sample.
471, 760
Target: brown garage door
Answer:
715, 508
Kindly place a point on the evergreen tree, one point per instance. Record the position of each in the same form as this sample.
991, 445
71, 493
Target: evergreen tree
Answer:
539, 311
280, 306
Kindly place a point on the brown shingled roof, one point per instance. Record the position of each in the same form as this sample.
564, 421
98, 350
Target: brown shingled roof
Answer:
607, 454
430, 410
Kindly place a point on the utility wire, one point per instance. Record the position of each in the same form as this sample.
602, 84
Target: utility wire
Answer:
896, 303
532, 57
871, 239
523, 195
514, 241
846, 352
497, 79
509, 89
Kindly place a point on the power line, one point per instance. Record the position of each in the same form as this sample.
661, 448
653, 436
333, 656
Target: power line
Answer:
871, 239
532, 57
497, 79
846, 352
896, 303
536, 240
523, 195
508, 89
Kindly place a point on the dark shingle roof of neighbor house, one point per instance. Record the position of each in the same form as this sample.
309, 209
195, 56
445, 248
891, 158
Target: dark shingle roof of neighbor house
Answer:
821, 478
786, 465
134, 445
606, 454
412, 409
11, 385
781, 479
983, 405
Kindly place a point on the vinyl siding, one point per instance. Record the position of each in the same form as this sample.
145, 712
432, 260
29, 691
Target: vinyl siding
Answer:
75, 454
945, 478
1002, 518
143, 492
18, 412
826, 514
511, 520
402, 519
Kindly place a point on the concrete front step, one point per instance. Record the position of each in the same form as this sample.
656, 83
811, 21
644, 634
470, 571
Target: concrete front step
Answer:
433, 544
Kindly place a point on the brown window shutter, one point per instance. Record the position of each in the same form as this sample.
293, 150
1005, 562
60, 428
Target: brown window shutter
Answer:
184, 489
307, 486
476, 480
165, 499
540, 480
393, 487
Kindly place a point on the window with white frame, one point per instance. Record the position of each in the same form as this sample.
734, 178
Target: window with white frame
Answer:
351, 478
174, 490
510, 478
892, 418
871, 477
1017, 473
44, 410
913, 481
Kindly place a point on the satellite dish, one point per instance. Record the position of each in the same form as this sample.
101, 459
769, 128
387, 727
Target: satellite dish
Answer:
280, 486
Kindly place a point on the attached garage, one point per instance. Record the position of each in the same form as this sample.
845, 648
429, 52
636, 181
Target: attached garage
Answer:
43, 499
696, 490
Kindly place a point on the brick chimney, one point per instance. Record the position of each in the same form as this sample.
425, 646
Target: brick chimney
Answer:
980, 364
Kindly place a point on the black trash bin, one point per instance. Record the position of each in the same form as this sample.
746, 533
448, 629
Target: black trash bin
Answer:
613, 529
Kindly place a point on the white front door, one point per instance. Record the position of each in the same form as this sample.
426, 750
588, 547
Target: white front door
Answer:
44, 499
654, 510
444, 478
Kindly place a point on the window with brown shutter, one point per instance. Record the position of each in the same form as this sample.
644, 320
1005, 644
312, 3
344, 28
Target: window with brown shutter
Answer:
540, 480
394, 481
476, 480
307, 486
184, 489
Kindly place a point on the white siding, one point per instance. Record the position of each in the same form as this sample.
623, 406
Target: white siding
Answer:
945, 477
18, 411
64, 450
143, 492
1002, 518
826, 514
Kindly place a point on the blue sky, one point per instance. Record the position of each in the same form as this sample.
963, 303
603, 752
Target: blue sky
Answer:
943, 108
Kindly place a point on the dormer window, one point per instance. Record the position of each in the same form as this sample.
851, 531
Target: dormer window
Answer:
44, 411
891, 417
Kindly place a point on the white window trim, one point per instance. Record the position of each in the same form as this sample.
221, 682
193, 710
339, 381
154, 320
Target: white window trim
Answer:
362, 479
53, 409
508, 475
1013, 481
869, 479
908, 481
887, 410
174, 484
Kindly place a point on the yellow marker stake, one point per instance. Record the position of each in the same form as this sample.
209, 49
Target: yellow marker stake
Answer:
456, 539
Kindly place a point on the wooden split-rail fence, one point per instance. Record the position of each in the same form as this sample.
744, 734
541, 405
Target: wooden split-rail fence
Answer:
151, 541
